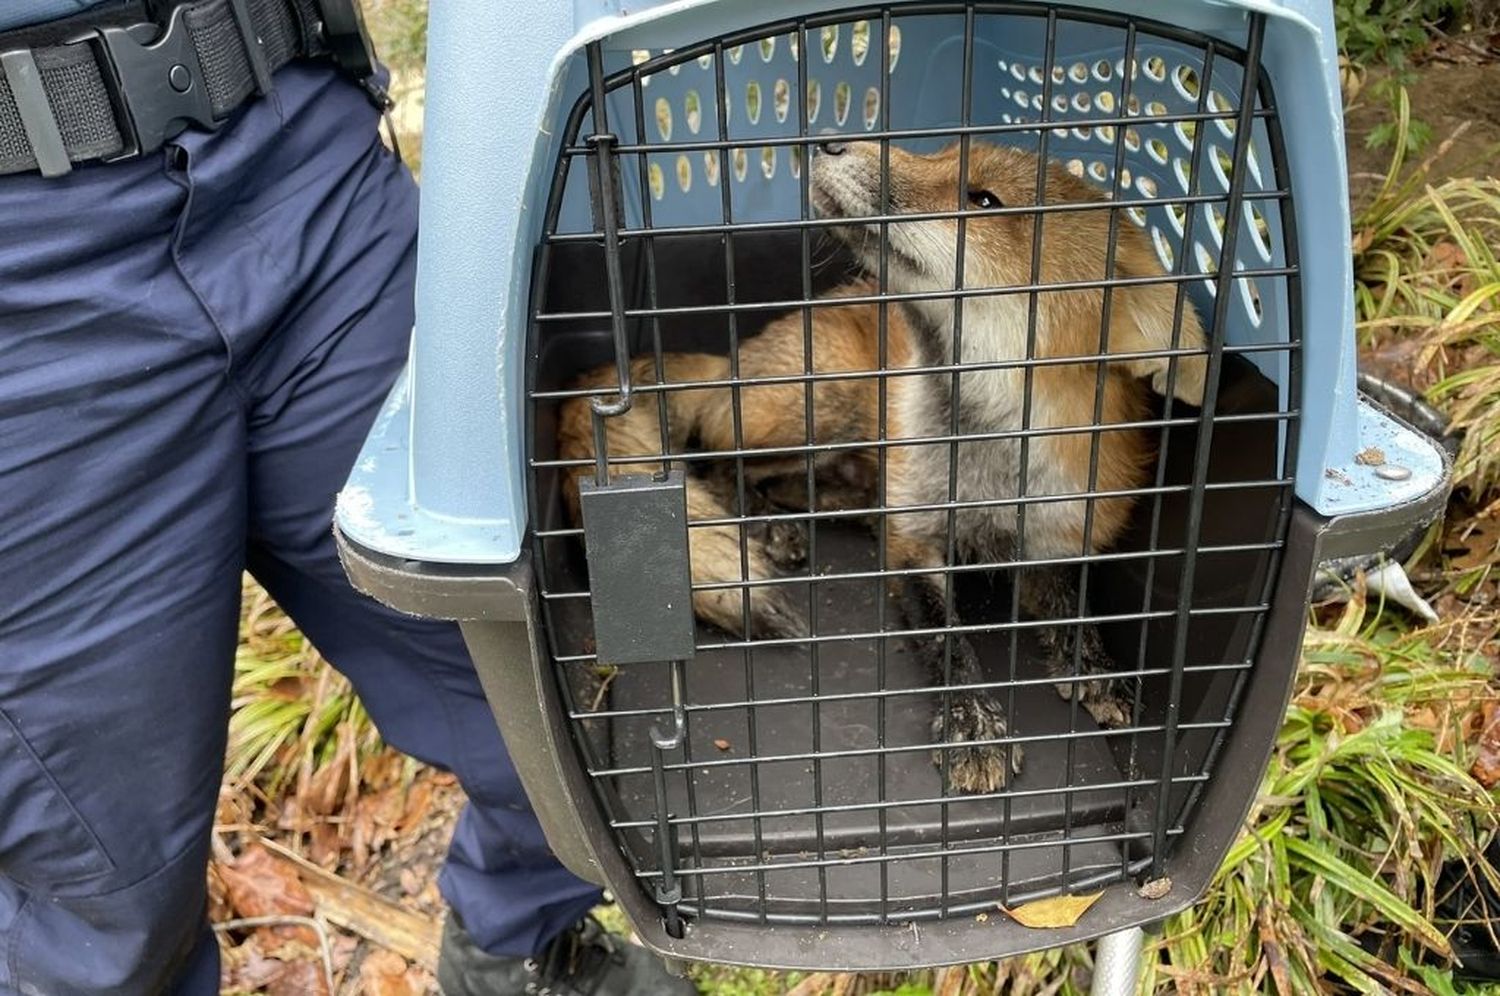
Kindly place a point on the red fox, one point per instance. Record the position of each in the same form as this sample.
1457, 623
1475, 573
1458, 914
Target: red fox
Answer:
921, 256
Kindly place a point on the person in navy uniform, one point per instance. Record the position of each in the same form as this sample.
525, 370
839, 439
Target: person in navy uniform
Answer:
197, 326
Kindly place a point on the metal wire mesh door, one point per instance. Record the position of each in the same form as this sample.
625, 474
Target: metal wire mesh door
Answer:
852, 399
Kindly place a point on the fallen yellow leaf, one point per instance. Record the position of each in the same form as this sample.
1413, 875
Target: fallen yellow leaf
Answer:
1059, 911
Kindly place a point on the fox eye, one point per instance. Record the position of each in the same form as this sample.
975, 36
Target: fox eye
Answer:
984, 199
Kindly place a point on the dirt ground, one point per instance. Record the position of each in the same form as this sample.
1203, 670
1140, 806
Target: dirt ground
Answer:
1457, 85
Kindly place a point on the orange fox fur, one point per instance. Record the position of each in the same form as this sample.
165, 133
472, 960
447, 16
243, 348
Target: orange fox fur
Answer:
921, 256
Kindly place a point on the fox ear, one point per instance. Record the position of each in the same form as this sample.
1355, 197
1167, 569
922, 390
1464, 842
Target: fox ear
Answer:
1152, 311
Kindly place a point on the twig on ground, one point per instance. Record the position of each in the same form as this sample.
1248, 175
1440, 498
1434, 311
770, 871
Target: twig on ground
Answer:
325, 947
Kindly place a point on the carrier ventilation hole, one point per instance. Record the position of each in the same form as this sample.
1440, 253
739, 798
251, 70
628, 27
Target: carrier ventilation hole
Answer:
1022, 100
894, 46
768, 161
1018, 71
1156, 109
1035, 75
1059, 104
794, 160
1147, 186
1105, 101
781, 99
711, 168
794, 46
1260, 230
1178, 214
1125, 178
692, 111
1207, 265
872, 107
740, 163
1132, 140
1158, 150
1250, 295
1136, 215
1083, 134
814, 100
1082, 102
1156, 69
1102, 70
1098, 171
1075, 166
1133, 106
1223, 165
842, 98
767, 48
664, 118
1219, 104
1185, 78
1184, 178
1216, 222
1059, 75
638, 56
1163, 247
1078, 73
684, 174
830, 41
735, 53
656, 181
859, 41
674, 69
1106, 133
752, 101
705, 62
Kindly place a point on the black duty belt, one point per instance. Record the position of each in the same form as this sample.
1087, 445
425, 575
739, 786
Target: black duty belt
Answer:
120, 81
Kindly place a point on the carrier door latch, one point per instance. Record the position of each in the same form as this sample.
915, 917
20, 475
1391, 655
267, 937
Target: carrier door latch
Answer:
636, 541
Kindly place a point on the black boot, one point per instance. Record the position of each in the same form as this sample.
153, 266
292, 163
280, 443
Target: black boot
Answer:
585, 960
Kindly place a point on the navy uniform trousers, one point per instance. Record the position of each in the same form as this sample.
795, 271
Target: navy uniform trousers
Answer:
192, 346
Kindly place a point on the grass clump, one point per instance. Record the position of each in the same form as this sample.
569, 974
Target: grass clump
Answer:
1427, 297
1368, 796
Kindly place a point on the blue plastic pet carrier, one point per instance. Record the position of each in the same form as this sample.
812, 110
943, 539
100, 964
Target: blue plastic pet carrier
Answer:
881, 736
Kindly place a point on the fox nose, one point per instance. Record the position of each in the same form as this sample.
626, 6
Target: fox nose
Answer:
832, 146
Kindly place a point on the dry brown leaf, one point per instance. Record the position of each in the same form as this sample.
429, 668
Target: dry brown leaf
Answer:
330, 783
1370, 456
385, 973
1486, 766
418, 802
259, 884
301, 978
246, 967
722, 744
1054, 913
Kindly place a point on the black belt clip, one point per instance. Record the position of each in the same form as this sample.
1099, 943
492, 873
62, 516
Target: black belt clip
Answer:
349, 43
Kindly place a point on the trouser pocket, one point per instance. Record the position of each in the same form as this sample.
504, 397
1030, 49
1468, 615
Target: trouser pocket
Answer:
44, 841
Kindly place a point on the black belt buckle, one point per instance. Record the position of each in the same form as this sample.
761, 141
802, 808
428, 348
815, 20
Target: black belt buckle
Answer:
154, 80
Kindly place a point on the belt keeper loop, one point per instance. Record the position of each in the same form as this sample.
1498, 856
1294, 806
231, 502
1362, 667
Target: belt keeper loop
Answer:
37, 120
255, 49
